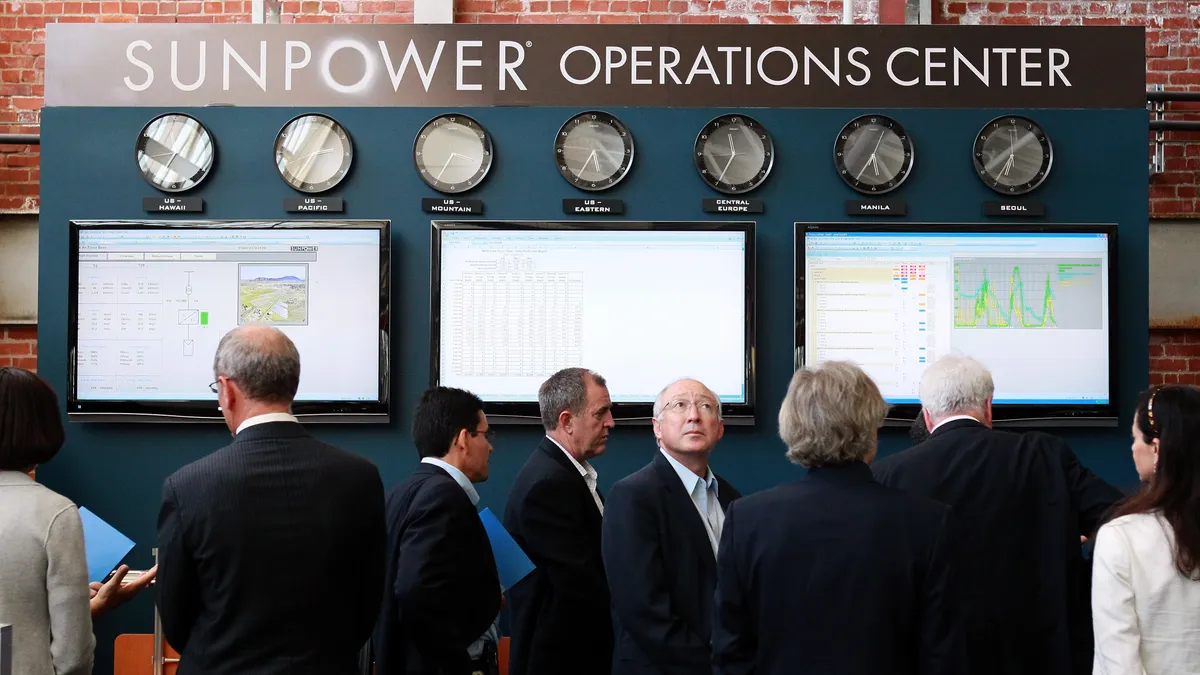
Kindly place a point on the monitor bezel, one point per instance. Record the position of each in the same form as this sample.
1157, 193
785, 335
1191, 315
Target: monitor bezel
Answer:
527, 412
1015, 415
207, 410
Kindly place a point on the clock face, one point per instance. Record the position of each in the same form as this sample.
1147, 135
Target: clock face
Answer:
593, 150
313, 153
734, 154
873, 154
175, 152
1012, 155
453, 153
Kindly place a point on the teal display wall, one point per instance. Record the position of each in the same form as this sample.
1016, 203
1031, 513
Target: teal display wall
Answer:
88, 172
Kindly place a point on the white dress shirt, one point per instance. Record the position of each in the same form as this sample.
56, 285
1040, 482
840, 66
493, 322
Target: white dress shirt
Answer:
458, 476
263, 419
952, 418
589, 474
1146, 615
703, 492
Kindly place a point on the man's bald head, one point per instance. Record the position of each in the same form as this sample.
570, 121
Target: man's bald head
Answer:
262, 361
683, 385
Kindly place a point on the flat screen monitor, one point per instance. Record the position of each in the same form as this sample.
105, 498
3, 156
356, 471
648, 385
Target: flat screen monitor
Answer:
150, 300
1031, 302
642, 304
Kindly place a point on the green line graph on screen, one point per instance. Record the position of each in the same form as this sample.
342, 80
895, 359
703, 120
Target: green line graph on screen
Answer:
1028, 293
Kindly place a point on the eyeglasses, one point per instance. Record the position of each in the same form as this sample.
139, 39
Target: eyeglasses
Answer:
213, 387
680, 406
489, 433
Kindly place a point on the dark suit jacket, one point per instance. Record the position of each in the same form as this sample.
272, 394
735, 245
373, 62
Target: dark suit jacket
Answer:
1020, 502
442, 590
662, 573
560, 621
835, 574
271, 556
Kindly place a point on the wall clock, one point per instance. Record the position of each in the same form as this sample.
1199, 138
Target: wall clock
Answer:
734, 154
175, 152
593, 150
453, 153
1012, 155
313, 153
873, 154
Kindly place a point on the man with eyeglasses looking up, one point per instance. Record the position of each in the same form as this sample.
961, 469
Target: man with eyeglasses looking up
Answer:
661, 530
442, 590
271, 549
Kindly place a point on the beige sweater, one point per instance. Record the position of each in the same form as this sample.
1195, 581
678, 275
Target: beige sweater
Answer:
43, 579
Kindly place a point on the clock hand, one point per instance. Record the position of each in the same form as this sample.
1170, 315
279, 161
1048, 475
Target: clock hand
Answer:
870, 160
732, 151
877, 143
302, 172
439, 176
725, 169
1009, 164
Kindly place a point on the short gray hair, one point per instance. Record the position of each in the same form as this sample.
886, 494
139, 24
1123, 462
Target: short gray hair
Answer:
831, 415
659, 403
565, 390
955, 384
262, 360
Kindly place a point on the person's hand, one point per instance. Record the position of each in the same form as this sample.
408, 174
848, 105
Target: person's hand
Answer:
113, 593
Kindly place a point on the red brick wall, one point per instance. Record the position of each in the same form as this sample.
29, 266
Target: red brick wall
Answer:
1172, 51
1175, 356
18, 346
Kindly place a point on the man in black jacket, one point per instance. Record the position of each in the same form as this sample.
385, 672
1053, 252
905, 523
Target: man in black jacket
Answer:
442, 590
561, 623
661, 530
1021, 504
270, 549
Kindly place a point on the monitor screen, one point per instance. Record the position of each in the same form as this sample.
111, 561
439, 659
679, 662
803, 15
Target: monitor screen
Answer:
1030, 302
642, 304
151, 301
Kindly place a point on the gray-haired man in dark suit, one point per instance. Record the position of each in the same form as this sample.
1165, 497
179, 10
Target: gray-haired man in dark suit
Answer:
271, 548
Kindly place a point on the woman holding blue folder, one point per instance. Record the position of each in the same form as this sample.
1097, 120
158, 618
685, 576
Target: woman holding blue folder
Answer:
44, 591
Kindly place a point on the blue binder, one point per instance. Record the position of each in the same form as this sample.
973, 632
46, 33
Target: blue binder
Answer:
511, 562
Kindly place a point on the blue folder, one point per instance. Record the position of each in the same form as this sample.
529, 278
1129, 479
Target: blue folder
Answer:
511, 562
105, 545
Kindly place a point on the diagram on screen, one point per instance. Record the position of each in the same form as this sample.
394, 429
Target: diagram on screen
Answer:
191, 317
1028, 293
273, 294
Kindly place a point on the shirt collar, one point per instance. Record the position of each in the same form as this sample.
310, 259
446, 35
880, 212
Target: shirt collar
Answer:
585, 468
263, 419
953, 418
689, 478
458, 476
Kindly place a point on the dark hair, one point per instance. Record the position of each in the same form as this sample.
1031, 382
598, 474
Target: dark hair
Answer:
441, 413
564, 390
31, 430
263, 361
1172, 415
917, 431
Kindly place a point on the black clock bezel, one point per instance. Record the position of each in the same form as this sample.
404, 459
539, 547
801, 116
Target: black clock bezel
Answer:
1043, 141
485, 138
347, 156
910, 154
204, 173
764, 171
626, 140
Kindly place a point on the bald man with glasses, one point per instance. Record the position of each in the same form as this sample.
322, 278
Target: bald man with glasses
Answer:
662, 526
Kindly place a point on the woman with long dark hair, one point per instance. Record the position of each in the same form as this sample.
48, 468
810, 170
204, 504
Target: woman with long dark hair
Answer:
1146, 577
